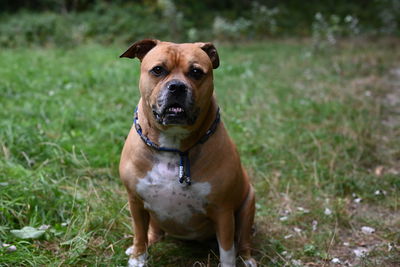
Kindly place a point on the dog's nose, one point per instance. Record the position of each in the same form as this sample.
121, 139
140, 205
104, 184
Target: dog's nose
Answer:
176, 86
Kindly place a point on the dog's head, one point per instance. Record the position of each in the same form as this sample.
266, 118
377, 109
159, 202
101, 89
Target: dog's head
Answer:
176, 81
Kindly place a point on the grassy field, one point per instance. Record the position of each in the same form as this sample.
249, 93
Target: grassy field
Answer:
317, 130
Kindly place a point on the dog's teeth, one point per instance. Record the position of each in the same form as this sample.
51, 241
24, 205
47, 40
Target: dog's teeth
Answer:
177, 109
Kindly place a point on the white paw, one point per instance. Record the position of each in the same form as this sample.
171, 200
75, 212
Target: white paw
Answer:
139, 261
250, 263
227, 257
129, 251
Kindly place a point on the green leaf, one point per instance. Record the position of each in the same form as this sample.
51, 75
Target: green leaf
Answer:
28, 233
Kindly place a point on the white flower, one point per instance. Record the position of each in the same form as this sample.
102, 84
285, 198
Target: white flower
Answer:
297, 262
360, 252
9, 247
44, 227
367, 230
287, 236
327, 212
314, 225
297, 230
303, 210
380, 192
283, 218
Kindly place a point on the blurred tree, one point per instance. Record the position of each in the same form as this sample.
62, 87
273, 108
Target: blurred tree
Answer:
182, 18
46, 5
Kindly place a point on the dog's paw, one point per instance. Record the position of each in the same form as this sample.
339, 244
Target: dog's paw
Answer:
139, 261
250, 263
129, 251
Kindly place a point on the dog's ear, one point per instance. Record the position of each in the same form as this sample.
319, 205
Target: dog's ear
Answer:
211, 51
140, 49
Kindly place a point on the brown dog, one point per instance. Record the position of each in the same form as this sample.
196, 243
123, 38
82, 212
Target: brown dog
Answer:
180, 168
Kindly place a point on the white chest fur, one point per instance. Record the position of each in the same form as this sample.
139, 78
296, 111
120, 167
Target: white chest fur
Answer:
165, 197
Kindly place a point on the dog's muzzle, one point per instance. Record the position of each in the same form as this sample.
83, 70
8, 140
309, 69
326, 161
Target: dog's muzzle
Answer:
175, 104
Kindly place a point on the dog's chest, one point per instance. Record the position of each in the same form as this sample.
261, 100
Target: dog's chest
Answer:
168, 199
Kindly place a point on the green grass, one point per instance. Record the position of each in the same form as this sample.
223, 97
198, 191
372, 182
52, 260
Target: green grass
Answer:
310, 127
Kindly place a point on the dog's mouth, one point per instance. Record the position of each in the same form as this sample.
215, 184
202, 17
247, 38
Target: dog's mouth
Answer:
174, 110
174, 114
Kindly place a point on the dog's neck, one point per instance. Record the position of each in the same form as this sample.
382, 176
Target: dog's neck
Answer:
177, 137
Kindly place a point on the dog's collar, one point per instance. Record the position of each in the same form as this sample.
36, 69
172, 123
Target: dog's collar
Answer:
184, 164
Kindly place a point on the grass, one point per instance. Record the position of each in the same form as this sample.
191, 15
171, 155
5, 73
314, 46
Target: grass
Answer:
315, 130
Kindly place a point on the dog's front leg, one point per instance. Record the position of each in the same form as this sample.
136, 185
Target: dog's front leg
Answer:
138, 255
225, 230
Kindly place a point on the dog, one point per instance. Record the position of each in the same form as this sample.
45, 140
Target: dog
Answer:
180, 168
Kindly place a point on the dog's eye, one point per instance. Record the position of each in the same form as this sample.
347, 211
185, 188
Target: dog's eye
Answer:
158, 71
196, 73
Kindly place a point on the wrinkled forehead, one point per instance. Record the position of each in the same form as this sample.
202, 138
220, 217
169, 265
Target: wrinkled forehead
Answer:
176, 55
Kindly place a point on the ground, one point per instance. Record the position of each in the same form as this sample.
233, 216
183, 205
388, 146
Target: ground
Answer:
316, 129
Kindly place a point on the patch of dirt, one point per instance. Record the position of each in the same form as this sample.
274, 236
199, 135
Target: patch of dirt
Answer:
53, 247
353, 247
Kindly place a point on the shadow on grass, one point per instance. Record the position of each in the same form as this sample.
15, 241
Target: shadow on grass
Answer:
175, 252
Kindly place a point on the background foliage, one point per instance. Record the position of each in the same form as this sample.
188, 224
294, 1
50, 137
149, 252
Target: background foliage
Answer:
66, 23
